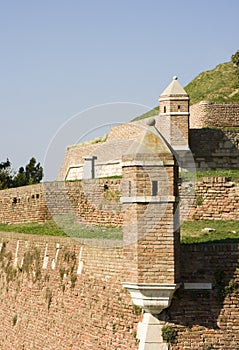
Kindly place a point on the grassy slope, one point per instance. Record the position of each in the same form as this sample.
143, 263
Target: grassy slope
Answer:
191, 231
220, 84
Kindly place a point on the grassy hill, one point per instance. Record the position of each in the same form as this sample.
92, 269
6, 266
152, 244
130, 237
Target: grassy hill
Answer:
220, 84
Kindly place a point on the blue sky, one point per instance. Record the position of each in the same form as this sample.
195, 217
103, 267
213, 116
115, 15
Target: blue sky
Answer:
60, 57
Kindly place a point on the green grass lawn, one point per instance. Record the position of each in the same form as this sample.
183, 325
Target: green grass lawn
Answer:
77, 230
233, 175
191, 231
48, 228
225, 231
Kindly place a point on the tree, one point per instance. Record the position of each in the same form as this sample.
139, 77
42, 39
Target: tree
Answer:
235, 60
20, 178
32, 174
5, 175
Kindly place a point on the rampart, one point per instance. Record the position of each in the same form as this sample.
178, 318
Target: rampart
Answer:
91, 201
215, 148
97, 201
214, 115
60, 293
216, 198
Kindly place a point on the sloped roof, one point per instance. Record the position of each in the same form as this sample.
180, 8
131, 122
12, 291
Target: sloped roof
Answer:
174, 88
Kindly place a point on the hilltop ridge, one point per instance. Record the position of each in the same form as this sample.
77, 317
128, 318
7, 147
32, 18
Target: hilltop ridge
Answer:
220, 84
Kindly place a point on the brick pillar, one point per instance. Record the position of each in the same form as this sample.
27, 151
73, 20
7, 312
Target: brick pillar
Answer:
151, 224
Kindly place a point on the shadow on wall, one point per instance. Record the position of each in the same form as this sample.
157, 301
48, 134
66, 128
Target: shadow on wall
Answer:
215, 148
215, 311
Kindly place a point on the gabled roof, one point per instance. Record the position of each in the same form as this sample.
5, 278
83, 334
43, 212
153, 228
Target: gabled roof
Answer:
174, 88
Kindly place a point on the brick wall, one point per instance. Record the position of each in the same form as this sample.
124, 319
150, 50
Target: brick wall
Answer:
213, 114
93, 201
23, 204
216, 198
215, 148
207, 319
56, 307
98, 201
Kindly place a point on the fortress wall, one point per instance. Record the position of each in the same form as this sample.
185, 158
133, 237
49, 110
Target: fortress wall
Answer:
125, 131
23, 204
214, 115
74, 156
207, 318
97, 202
92, 201
216, 198
215, 148
77, 301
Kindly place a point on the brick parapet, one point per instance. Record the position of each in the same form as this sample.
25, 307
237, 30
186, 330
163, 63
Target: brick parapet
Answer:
214, 114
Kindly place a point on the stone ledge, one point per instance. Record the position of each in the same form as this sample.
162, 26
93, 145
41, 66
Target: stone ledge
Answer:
152, 298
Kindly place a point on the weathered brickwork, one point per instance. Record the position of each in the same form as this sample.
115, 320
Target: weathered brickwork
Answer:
150, 196
207, 319
60, 293
214, 115
215, 148
98, 202
23, 204
74, 156
92, 201
216, 198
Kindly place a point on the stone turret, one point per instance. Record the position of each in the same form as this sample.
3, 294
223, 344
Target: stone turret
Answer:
151, 216
151, 230
174, 115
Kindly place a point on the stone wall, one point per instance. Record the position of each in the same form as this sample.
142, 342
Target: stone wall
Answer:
216, 198
61, 293
214, 115
97, 201
23, 204
207, 318
215, 148
91, 201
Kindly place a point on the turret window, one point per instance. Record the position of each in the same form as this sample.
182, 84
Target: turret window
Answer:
154, 188
178, 108
164, 109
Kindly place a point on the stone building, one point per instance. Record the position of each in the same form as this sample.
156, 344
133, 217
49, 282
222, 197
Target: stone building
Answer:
208, 131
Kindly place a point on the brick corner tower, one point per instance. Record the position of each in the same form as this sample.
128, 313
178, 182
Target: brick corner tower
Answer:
151, 221
174, 115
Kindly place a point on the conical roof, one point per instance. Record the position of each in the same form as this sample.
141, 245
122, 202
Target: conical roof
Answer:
149, 142
174, 88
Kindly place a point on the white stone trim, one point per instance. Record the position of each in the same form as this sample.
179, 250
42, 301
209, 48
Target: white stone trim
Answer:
197, 286
174, 113
152, 298
145, 163
148, 199
179, 98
